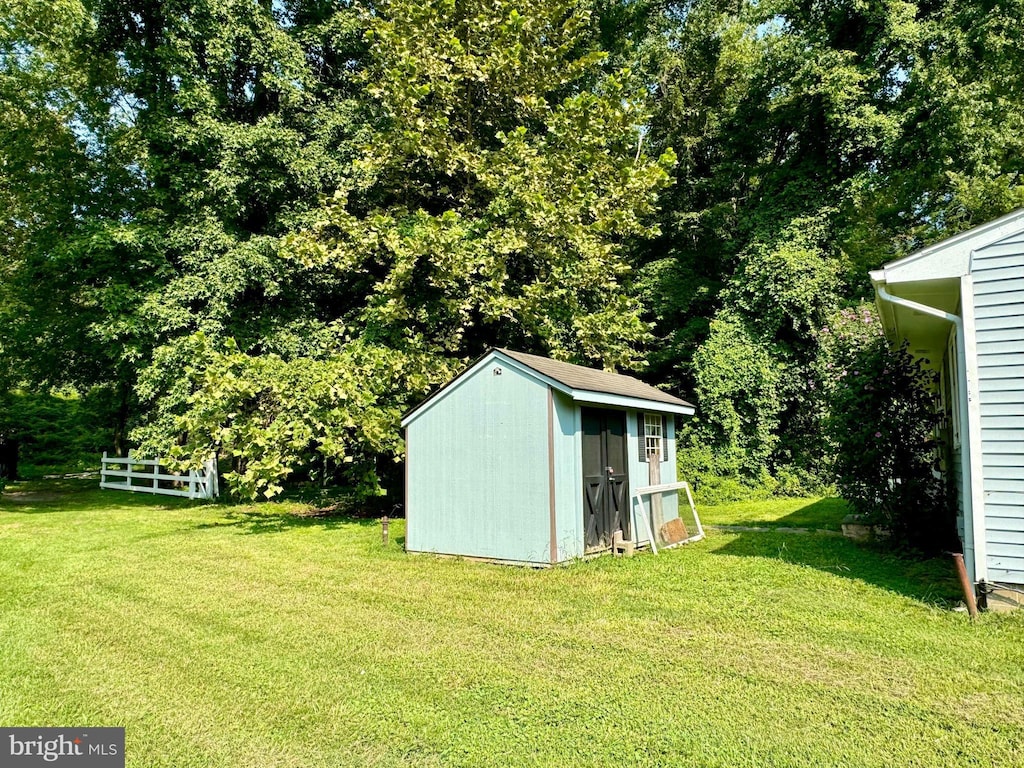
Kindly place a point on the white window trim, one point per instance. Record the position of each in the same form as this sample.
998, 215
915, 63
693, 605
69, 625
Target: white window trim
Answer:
652, 435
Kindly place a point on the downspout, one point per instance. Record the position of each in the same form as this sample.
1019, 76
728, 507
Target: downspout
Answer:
973, 543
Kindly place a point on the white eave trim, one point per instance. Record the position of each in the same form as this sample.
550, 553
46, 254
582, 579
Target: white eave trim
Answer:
949, 258
489, 359
622, 401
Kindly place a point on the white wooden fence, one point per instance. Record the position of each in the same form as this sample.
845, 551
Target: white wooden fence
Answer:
126, 473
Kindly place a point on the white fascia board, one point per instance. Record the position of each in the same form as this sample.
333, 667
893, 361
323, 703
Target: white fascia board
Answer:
622, 401
578, 395
950, 258
444, 392
532, 373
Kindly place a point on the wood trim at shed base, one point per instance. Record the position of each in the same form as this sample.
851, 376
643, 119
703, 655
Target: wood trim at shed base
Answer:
486, 560
642, 546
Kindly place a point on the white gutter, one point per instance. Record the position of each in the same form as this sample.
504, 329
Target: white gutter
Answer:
974, 532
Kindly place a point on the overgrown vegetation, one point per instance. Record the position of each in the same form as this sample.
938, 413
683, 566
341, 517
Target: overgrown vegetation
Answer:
886, 423
311, 644
56, 431
206, 206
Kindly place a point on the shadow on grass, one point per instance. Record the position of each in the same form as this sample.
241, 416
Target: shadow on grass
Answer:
824, 514
76, 495
929, 580
249, 521
298, 508
778, 512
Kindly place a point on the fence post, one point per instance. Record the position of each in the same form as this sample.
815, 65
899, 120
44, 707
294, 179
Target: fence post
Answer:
212, 480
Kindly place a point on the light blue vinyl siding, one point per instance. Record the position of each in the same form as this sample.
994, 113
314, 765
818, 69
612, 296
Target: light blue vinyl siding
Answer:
478, 480
568, 478
639, 475
482, 479
998, 276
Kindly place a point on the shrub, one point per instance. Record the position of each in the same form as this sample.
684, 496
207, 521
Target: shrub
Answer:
56, 430
737, 386
884, 421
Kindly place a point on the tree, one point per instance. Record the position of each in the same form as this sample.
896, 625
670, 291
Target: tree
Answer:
816, 141
884, 420
956, 159
496, 176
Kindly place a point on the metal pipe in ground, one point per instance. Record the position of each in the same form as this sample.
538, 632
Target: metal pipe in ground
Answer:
965, 584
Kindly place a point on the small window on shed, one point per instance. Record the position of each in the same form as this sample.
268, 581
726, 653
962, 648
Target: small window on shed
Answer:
652, 435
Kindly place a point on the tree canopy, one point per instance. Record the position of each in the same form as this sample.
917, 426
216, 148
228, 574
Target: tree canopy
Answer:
264, 229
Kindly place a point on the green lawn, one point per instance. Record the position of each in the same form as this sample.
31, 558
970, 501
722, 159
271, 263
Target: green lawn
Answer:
824, 514
248, 636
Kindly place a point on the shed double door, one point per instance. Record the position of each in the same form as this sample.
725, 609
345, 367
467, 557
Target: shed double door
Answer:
605, 494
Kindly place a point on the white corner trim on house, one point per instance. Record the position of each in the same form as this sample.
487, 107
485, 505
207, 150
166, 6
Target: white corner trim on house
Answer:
974, 524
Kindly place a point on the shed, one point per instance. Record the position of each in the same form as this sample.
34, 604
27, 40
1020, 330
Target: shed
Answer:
960, 305
525, 459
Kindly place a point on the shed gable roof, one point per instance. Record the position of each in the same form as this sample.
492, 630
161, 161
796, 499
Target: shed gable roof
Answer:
593, 380
581, 383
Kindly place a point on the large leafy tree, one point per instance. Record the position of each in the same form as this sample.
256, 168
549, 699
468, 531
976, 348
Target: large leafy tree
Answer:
776, 109
957, 157
163, 150
815, 141
495, 174
65, 196
242, 199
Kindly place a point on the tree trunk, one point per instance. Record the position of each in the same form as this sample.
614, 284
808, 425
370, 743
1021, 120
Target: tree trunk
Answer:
8, 458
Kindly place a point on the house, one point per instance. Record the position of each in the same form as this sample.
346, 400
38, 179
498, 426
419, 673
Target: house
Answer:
960, 305
530, 460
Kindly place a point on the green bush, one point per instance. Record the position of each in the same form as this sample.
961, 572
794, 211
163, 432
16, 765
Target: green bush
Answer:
884, 421
737, 387
719, 475
712, 473
57, 431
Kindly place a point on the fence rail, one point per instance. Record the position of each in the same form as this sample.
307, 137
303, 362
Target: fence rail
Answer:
127, 473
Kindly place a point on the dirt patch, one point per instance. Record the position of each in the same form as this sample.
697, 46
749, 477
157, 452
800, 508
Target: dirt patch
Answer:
26, 498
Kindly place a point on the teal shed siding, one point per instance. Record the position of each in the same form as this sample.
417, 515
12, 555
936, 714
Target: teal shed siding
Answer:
494, 465
639, 475
568, 478
998, 285
478, 482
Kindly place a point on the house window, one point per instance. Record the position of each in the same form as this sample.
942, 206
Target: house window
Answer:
652, 436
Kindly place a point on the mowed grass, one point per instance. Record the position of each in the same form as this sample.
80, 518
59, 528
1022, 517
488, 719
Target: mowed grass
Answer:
816, 513
249, 636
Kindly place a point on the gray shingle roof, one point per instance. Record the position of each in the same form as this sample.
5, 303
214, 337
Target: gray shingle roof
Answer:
593, 380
